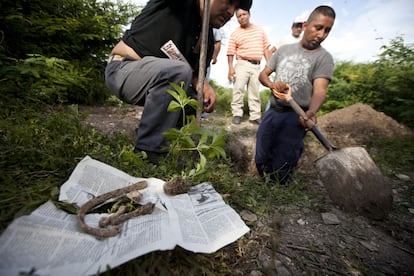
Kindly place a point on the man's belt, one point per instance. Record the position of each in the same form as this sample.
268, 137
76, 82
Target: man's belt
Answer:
278, 107
255, 62
115, 58
283, 108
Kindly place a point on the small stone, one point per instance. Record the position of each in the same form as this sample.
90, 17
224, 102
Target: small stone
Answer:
403, 177
255, 273
248, 216
411, 210
301, 222
330, 219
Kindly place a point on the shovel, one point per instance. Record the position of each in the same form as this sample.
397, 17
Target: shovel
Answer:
311, 125
350, 176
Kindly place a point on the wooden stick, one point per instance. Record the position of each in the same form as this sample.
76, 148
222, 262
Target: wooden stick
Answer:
203, 57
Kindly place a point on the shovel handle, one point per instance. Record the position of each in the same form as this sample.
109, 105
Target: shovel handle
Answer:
311, 125
300, 112
287, 96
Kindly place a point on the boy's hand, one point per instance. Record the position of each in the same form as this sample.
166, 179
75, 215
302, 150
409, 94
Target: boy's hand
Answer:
279, 89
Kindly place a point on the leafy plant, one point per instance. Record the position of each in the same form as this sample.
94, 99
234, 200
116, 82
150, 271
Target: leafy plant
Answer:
190, 137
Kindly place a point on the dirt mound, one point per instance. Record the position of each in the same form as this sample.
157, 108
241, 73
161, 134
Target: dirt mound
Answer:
358, 124
355, 125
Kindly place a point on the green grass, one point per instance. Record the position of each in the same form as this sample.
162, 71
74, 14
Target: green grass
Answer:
225, 95
396, 154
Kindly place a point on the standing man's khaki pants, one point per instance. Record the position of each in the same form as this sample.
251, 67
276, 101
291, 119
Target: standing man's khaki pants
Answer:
246, 74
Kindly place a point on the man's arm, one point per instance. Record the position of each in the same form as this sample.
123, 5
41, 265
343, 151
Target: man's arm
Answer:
264, 77
217, 47
268, 54
320, 86
231, 68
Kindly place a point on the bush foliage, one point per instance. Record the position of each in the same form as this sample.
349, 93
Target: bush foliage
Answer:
56, 50
385, 84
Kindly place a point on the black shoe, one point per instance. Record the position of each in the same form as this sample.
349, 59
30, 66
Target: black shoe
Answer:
255, 122
236, 120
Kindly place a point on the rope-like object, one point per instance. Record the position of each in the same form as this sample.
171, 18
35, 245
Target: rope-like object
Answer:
115, 220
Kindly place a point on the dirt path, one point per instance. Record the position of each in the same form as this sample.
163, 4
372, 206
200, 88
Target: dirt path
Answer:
322, 240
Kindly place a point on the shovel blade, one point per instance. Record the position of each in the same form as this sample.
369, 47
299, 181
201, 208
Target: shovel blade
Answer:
355, 183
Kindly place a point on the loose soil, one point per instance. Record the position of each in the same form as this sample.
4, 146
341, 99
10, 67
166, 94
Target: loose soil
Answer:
297, 241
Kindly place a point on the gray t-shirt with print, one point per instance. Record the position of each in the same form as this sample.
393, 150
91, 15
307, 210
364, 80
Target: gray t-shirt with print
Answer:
299, 67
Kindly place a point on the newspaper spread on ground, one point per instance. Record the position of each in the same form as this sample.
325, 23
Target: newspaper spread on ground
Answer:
50, 242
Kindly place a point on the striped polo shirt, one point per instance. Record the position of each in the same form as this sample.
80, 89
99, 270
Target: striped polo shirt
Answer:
248, 43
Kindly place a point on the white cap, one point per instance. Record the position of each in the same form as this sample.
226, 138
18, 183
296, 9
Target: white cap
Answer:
299, 19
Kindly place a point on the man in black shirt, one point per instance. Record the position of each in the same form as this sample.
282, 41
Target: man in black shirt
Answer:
139, 72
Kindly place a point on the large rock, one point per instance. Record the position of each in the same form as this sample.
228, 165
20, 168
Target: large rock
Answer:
355, 183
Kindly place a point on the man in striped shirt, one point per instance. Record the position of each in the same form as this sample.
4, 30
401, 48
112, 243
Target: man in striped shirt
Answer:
248, 43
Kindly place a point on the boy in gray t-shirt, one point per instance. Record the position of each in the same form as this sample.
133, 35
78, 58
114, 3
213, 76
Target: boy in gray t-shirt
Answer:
298, 67
307, 68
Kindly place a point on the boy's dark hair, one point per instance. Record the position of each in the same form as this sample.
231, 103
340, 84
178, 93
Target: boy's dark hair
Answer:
324, 10
243, 4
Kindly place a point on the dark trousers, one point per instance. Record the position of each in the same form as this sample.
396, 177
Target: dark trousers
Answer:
279, 144
145, 82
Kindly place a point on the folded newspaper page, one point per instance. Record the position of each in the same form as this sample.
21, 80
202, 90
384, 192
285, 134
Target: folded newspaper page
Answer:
172, 52
50, 242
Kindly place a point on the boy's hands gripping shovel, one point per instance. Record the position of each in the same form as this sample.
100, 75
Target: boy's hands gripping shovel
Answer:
287, 96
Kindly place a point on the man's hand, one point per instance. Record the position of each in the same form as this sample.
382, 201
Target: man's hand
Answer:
305, 122
231, 74
279, 89
209, 102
